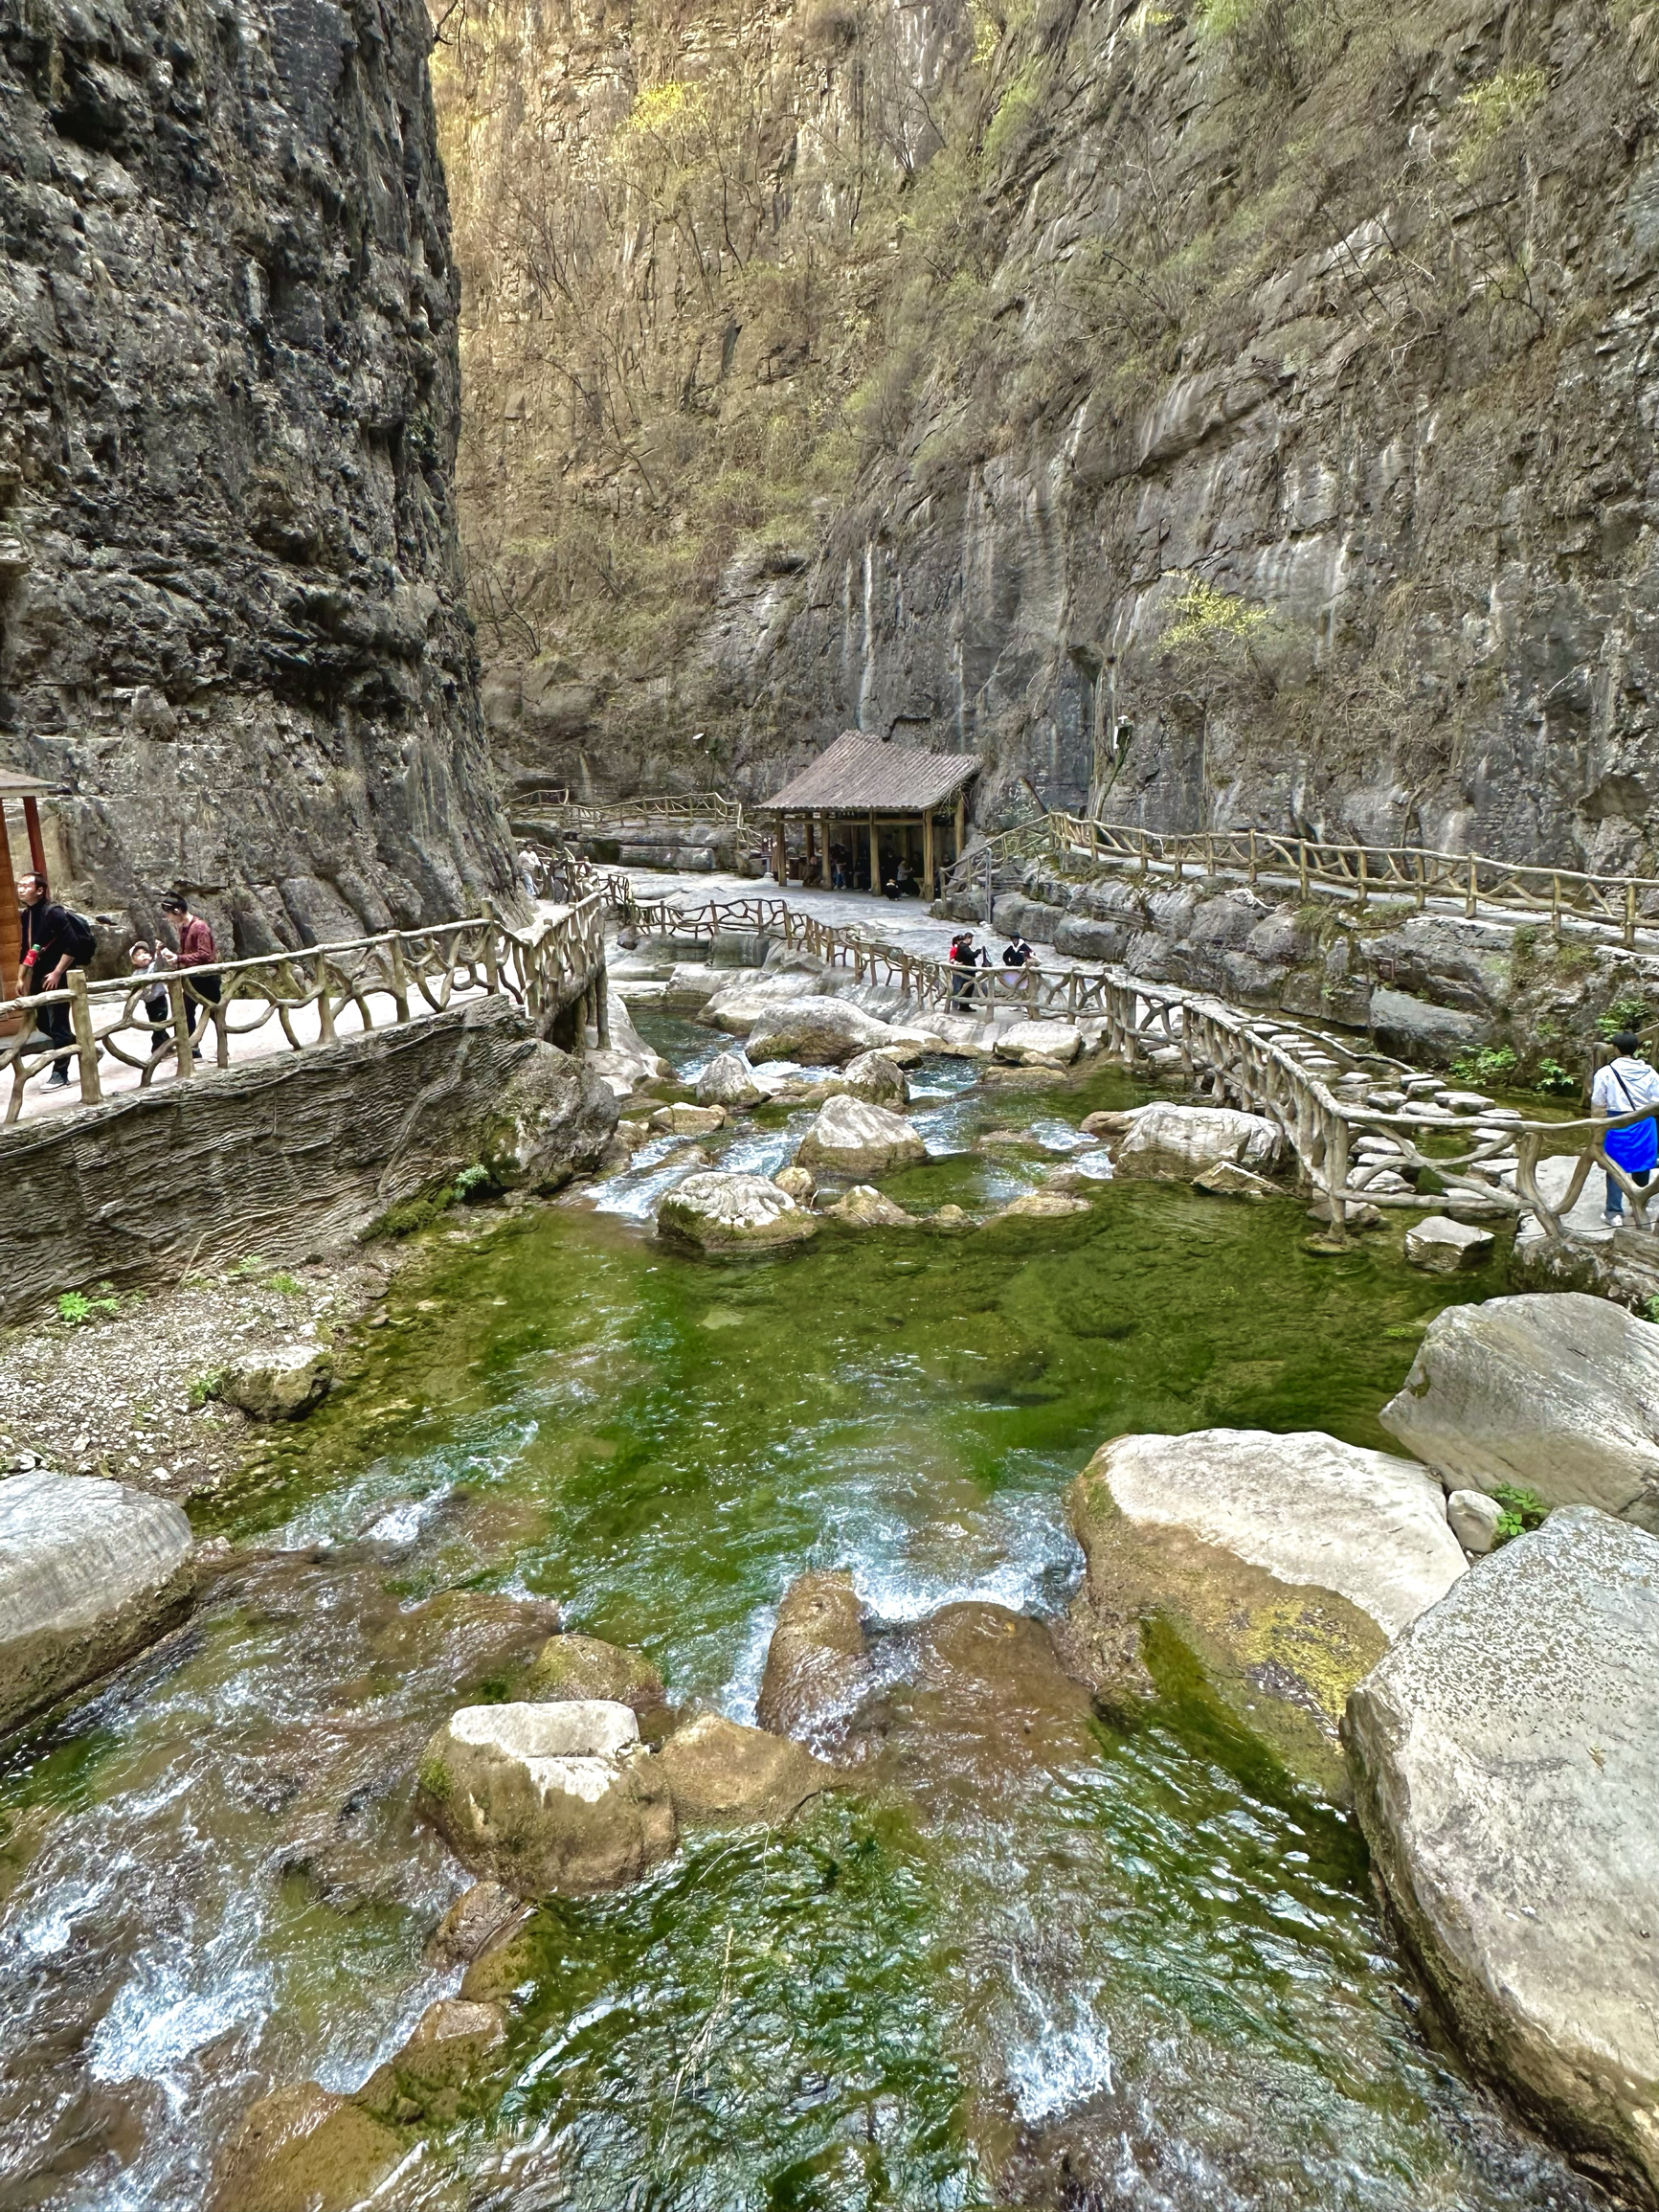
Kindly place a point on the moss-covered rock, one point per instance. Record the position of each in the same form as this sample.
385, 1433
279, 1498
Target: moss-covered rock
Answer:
722, 1774
304, 2150
585, 1667
440, 2072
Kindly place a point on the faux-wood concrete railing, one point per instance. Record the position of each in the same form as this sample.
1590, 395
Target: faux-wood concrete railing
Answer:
558, 807
404, 973
1358, 873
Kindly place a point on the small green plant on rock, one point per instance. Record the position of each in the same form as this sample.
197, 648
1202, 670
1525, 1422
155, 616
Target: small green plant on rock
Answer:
1550, 1076
289, 1286
1621, 1014
434, 1778
1523, 1510
80, 1308
206, 1386
1490, 1064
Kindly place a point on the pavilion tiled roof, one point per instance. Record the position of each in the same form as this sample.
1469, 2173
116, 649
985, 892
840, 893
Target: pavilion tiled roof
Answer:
858, 774
13, 785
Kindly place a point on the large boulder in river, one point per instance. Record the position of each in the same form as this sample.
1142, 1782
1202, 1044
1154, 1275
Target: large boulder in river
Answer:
817, 1032
864, 1206
1556, 1392
1184, 1142
816, 1666
719, 1212
1039, 1044
547, 1799
281, 1384
722, 1775
1506, 1768
729, 1080
875, 1076
851, 1137
90, 1572
1285, 1565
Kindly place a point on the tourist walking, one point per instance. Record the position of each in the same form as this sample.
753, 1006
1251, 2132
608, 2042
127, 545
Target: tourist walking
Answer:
146, 965
55, 940
1623, 1084
196, 956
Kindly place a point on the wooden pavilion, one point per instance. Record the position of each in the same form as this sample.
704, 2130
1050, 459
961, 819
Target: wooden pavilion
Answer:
869, 786
30, 791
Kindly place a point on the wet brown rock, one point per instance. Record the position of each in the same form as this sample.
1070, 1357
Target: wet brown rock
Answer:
480, 1918
585, 1667
437, 2073
722, 1774
304, 2150
816, 1666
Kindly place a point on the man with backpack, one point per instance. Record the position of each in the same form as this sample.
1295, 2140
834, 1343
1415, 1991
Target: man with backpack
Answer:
55, 940
1621, 1087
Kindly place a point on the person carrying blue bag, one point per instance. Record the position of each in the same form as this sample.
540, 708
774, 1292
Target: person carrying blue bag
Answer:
1623, 1084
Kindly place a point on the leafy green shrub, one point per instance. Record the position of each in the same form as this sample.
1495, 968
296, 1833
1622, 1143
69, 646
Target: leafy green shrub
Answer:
474, 1181
1550, 1076
290, 1286
1522, 1509
1621, 1014
1490, 1064
80, 1309
207, 1385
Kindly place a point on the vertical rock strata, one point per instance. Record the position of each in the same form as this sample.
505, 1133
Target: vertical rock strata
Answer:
231, 612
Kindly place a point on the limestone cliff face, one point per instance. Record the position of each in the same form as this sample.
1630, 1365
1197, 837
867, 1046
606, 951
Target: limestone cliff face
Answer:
1249, 417
231, 624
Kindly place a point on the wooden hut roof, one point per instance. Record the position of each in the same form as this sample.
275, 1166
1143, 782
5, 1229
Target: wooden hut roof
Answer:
13, 785
858, 774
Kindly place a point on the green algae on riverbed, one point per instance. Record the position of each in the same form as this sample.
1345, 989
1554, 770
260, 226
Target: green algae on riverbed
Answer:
1118, 1966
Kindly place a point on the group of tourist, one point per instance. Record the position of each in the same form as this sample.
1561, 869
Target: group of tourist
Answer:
967, 957
56, 941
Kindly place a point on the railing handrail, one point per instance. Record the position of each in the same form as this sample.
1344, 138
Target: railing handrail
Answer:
486, 952
688, 805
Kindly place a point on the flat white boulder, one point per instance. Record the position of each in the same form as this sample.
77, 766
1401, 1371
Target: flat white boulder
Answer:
851, 1137
1305, 1506
90, 1574
818, 1032
1184, 1142
730, 1212
1555, 1391
1023, 1042
729, 1080
741, 999
546, 1799
1505, 1757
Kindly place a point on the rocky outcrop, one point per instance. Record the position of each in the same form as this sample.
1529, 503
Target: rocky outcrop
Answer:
1183, 1142
90, 1574
722, 1774
1506, 1770
874, 1077
1285, 1565
1442, 1246
1039, 1044
231, 624
558, 1799
852, 1137
287, 1155
1556, 1392
864, 1206
732, 1213
818, 1032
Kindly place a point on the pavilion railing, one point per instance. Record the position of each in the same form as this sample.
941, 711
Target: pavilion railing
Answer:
298, 999
1490, 1164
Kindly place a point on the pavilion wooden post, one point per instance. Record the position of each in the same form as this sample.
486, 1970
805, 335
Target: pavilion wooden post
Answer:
823, 873
927, 855
779, 851
875, 859
37, 843
809, 824
961, 821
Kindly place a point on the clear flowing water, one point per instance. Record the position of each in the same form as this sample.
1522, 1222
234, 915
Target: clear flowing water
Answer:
1030, 1960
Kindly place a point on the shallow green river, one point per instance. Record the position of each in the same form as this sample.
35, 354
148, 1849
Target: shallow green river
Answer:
1032, 1960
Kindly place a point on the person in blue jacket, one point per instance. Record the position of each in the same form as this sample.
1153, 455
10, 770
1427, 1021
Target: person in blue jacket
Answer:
1623, 1084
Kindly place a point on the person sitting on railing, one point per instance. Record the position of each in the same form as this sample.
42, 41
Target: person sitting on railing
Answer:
1623, 1084
1018, 953
147, 962
55, 940
196, 952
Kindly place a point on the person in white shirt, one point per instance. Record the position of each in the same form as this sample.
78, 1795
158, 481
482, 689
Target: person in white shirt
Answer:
1623, 1084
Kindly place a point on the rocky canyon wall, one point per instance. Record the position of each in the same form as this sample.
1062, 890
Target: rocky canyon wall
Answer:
1242, 410
233, 631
